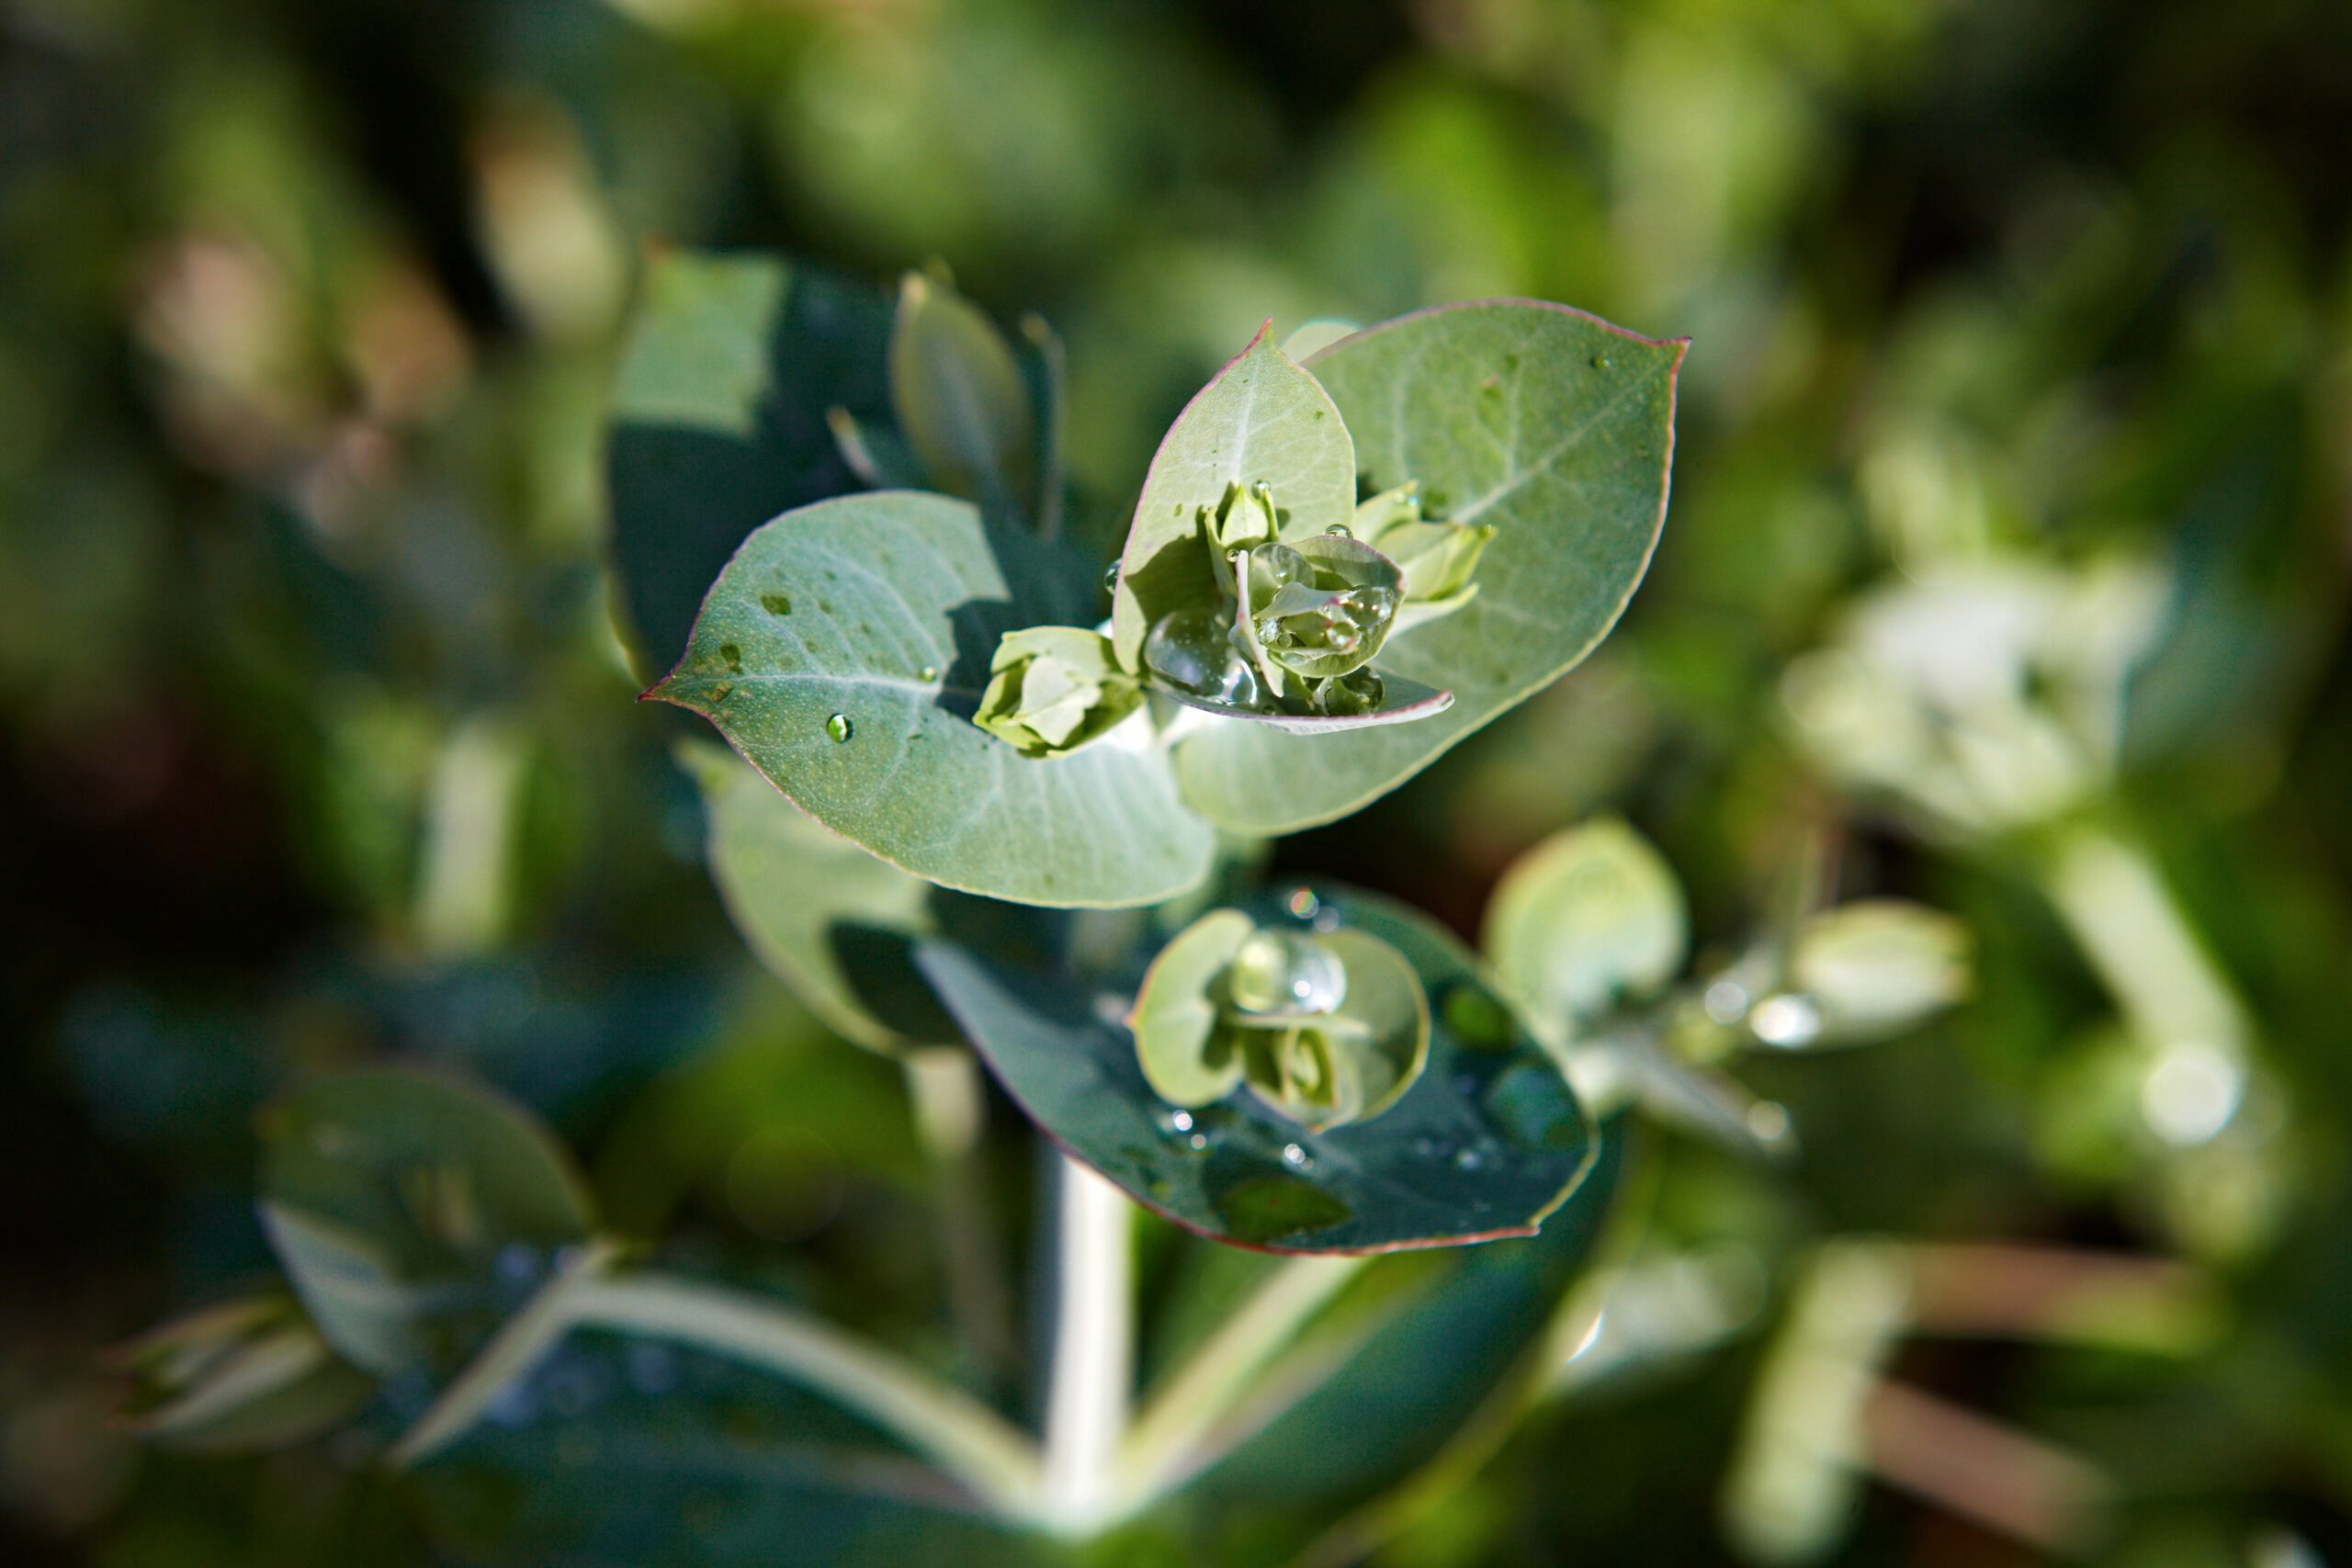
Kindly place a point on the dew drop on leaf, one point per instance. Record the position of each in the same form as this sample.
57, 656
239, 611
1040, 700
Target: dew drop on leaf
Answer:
1340, 531
1278, 971
776, 604
1297, 1158
734, 656
838, 727
928, 672
1110, 574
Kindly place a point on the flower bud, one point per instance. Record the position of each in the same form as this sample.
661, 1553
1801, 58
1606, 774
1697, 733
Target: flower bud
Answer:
1436, 557
1054, 689
1321, 608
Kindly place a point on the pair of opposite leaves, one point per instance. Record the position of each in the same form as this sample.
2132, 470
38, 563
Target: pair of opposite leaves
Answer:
844, 648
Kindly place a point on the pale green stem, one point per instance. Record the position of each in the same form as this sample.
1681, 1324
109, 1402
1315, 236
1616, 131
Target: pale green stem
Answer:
518, 1347
2114, 900
962, 1436
950, 1107
1093, 1348
1165, 1444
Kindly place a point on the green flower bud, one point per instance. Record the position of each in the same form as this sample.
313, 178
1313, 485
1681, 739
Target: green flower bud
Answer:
245, 1376
1054, 689
1319, 607
1436, 557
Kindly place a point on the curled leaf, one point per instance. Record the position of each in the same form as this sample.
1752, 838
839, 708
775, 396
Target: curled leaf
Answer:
960, 397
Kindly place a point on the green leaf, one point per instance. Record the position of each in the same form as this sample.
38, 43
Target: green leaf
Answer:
404, 1205
720, 420
1260, 420
1437, 1351
962, 399
829, 920
1589, 915
1487, 1142
1555, 427
843, 651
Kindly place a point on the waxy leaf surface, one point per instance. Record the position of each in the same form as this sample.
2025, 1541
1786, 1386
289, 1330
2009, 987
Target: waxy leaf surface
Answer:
1259, 419
1548, 424
843, 651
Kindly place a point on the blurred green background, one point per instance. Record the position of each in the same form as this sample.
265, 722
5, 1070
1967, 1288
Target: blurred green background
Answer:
316, 743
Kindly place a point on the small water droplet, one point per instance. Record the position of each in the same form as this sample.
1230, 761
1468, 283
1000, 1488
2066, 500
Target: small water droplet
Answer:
1179, 1120
734, 656
839, 727
1340, 531
1302, 903
1111, 573
1469, 1159
928, 672
1199, 1141
1297, 1158
1601, 362
1275, 971
776, 604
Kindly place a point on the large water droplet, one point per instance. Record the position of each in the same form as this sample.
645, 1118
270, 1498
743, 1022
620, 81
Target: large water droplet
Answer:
1279, 971
839, 727
1193, 650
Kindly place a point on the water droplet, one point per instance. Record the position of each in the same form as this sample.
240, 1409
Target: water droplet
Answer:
1179, 1120
928, 672
733, 655
1601, 362
839, 727
1199, 1141
1279, 971
1193, 651
776, 604
1469, 1159
1302, 903
1296, 1158
1111, 573
1340, 531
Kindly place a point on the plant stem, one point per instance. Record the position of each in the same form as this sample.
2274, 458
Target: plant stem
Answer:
518, 1346
943, 1083
1093, 1347
2114, 900
965, 1438
1163, 1445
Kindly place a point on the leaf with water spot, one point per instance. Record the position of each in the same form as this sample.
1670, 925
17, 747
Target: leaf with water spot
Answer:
1261, 419
1548, 424
731, 370
843, 651
1487, 1142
